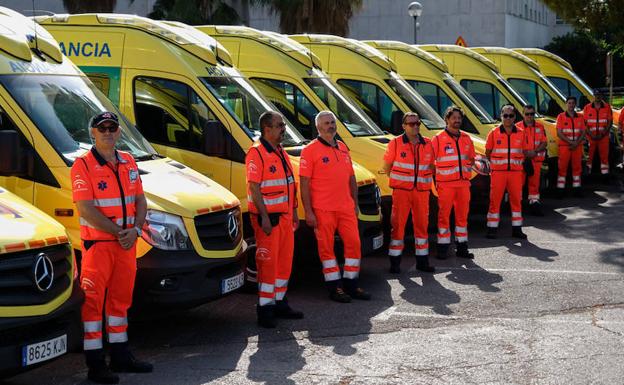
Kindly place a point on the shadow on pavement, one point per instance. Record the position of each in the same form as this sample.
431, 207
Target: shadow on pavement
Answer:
468, 272
431, 293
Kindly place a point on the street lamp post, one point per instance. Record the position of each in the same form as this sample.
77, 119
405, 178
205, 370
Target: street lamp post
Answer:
415, 10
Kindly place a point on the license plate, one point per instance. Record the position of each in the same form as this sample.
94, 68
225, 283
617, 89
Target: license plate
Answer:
377, 242
232, 283
43, 351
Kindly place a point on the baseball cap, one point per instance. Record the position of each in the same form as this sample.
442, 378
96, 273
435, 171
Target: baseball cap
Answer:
104, 117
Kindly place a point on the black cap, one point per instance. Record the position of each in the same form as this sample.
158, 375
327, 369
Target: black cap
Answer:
104, 117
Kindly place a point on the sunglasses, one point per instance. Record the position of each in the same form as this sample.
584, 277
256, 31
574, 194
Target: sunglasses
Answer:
110, 128
509, 116
280, 125
412, 124
529, 114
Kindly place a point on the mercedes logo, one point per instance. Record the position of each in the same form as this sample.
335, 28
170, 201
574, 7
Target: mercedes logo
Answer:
43, 272
232, 225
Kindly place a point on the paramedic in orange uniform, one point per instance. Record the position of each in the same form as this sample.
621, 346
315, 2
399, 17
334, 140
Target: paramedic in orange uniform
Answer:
598, 120
109, 196
272, 197
408, 162
454, 156
571, 134
536, 139
329, 195
505, 147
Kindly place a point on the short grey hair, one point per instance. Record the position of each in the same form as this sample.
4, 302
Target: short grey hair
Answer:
321, 114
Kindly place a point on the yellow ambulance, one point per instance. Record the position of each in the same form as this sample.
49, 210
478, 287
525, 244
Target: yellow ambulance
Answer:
192, 247
179, 87
560, 73
430, 77
369, 78
525, 77
39, 300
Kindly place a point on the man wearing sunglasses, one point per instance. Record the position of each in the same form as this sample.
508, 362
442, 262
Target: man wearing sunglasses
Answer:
571, 134
536, 141
109, 196
330, 196
505, 147
408, 162
273, 206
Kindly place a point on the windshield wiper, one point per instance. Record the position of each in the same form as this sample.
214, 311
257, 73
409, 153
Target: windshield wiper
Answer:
148, 157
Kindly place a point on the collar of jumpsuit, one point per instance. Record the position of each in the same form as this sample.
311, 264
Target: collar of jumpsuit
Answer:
406, 140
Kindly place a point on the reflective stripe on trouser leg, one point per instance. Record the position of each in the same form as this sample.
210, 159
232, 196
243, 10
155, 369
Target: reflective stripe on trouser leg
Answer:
498, 184
350, 236
563, 163
514, 187
462, 208
119, 295
576, 158
398, 217
603, 149
326, 223
420, 221
534, 182
92, 335
446, 197
285, 260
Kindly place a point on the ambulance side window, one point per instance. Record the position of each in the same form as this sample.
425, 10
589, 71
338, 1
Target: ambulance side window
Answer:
170, 113
434, 95
39, 173
374, 101
487, 95
291, 102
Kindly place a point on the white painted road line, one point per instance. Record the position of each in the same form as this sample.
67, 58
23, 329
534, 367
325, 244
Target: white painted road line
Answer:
526, 270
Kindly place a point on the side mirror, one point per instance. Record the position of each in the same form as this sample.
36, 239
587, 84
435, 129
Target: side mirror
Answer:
396, 121
215, 139
13, 157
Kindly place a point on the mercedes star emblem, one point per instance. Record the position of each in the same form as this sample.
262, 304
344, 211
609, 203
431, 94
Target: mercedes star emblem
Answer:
232, 225
43, 273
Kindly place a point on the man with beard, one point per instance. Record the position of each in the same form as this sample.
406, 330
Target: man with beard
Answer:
272, 197
330, 195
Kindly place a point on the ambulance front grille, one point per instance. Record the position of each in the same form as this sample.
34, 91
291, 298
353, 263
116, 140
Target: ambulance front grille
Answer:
222, 230
34, 277
368, 199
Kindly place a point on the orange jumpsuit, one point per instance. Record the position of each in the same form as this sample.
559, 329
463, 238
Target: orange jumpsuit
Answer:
572, 127
410, 178
598, 122
506, 157
271, 169
453, 159
534, 135
108, 271
330, 170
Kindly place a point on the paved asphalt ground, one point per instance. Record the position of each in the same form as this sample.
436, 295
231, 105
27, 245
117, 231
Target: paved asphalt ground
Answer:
545, 311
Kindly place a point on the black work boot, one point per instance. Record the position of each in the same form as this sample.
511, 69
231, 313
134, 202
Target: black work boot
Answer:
395, 264
516, 232
461, 250
98, 370
492, 233
283, 310
355, 292
442, 250
266, 316
535, 209
123, 361
422, 264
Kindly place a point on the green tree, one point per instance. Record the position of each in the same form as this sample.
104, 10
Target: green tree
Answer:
313, 16
600, 18
195, 12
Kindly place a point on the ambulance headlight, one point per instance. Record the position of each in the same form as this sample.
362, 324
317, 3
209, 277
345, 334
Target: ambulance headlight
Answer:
165, 231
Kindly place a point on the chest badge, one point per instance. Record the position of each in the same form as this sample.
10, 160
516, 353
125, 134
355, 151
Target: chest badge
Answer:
133, 175
325, 159
403, 154
448, 149
102, 185
498, 141
272, 169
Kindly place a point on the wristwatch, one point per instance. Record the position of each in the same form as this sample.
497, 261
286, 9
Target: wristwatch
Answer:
139, 231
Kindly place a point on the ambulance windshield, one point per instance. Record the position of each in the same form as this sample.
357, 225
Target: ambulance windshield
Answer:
245, 104
61, 107
416, 103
